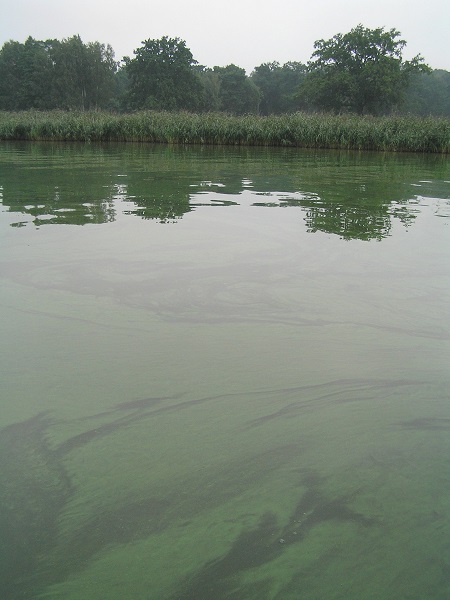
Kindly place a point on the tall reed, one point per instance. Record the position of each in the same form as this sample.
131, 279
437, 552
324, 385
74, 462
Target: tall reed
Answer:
397, 133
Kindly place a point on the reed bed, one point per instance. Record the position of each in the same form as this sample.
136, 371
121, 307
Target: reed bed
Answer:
396, 133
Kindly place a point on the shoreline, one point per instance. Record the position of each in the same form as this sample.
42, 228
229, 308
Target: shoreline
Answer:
301, 130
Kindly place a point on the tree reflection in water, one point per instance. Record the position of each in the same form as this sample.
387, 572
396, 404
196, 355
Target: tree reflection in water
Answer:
353, 195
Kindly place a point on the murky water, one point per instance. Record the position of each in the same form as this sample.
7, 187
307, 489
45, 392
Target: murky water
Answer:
225, 374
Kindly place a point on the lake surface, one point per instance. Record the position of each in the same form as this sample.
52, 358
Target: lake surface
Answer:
224, 374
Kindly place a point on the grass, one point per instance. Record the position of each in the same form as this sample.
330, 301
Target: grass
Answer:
397, 133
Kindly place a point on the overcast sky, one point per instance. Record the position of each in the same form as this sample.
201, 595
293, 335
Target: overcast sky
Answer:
245, 32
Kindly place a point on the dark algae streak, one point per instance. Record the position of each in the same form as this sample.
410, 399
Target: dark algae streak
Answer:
224, 371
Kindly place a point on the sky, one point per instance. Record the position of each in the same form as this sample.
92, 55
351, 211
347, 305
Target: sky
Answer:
244, 32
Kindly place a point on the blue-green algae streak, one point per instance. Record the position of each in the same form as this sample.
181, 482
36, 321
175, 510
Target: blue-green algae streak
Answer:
225, 374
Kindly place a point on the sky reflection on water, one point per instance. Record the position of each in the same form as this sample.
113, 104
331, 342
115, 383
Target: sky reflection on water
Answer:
212, 385
353, 195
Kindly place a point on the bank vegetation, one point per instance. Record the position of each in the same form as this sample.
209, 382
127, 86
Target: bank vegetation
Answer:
302, 130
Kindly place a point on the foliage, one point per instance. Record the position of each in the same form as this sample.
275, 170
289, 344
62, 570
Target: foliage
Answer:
278, 85
83, 73
210, 81
56, 74
238, 95
401, 133
429, 94
25, 75
228, 89
121, 90
361, 71
161, 76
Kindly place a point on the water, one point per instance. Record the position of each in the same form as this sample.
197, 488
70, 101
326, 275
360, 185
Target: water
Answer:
225, 374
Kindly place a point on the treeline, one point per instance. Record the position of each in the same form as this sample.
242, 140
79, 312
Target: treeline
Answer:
360, 72
67, 74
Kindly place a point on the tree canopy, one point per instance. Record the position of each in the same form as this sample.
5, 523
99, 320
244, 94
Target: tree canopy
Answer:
161, 76
278, 85
56, 74
237, 93
362, 71
429, 94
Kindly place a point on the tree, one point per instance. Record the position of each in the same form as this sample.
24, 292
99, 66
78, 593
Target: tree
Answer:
278, 85
429, 94
361, 71
101, 70
11, 75
210, 81
237, 93
53, 74
121, 90
83, 74
161, 76
25, 75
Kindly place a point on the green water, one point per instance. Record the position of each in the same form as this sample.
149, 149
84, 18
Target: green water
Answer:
225, 374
